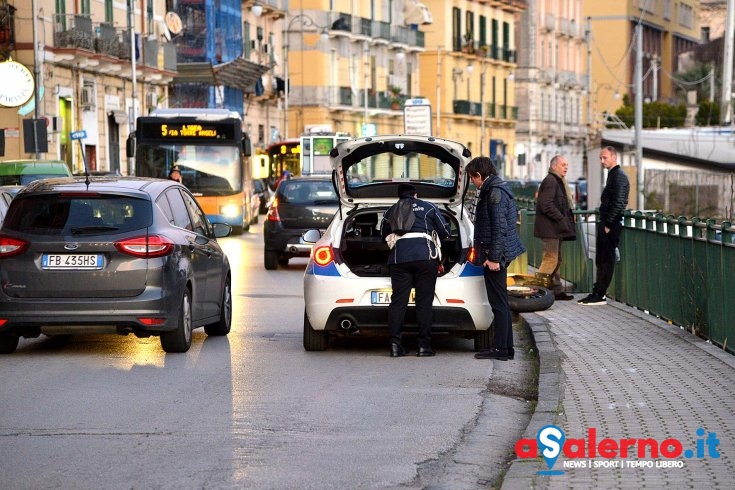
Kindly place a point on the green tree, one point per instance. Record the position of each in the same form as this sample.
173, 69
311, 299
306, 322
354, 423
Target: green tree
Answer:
655, 114
708, 113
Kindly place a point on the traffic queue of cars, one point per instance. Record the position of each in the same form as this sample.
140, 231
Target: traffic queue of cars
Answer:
138, 255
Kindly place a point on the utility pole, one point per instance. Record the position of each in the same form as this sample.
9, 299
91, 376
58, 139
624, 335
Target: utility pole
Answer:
726, 101
134, 94
639, 113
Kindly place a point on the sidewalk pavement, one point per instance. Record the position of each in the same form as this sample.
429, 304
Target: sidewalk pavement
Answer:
628, 375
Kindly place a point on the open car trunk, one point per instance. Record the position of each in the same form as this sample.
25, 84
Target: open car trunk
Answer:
366, 253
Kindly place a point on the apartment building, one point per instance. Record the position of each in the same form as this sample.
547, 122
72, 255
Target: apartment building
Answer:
669, 28
83, 76
467, 72
552, 80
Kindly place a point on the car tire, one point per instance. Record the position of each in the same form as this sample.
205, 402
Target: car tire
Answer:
483, 339
283, 260
525, 299
179, 340
8, 344
224, 324
270, 260
314, 340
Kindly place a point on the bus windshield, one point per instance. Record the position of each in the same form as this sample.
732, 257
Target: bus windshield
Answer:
207, 170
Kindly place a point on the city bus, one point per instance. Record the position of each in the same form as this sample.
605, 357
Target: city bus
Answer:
212, 153
308, 154
283, 156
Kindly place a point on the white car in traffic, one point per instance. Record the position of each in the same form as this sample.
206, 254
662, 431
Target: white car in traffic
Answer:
347, 284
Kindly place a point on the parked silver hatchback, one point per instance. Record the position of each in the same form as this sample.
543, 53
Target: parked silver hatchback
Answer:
111, 254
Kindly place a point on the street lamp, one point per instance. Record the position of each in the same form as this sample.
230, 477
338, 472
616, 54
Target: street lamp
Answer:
306, 21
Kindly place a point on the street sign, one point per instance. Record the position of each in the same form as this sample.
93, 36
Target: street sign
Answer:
78, 135
417, 116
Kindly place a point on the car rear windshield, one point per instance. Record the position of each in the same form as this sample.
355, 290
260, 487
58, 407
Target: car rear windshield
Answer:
58, 214
386, 167
307, 192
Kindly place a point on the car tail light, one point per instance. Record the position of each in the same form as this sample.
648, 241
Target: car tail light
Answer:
146, 247
323, 255
273, 211
11, 246
471, 255
3, 321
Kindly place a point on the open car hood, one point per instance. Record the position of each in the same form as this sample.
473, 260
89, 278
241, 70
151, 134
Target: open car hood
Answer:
369, 170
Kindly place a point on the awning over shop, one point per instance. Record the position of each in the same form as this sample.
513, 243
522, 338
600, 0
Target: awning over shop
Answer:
238, 73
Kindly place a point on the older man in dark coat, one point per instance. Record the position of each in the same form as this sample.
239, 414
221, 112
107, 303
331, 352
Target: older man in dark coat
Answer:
554, 223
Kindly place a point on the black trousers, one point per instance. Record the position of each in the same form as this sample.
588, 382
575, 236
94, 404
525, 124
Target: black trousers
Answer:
496, 284
606, 244
420, 275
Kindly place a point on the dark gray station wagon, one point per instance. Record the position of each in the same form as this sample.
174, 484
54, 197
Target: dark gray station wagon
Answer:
111, 254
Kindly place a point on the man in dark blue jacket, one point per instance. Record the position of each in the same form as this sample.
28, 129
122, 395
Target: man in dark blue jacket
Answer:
414, 263
496, 243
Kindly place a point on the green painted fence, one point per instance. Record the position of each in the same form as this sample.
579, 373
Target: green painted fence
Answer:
679, 269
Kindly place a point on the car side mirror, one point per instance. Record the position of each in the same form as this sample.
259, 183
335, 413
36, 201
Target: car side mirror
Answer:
311, 236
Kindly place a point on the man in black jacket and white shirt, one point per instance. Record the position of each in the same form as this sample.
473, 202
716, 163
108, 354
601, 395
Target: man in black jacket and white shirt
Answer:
413, 264
613, 201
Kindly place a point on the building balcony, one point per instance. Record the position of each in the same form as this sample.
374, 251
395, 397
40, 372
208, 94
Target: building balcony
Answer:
73, 31
7, 27
360, 28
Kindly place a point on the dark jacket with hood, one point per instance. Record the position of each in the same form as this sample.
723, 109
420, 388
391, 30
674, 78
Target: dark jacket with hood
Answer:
428, 219
496, 237
554, 218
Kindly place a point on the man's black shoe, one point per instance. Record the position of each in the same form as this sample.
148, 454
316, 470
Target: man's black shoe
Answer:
425, 352
592, 300
493, 353
397, 350
563, 297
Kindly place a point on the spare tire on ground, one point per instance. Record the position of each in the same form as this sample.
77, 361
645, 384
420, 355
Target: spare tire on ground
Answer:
528, 298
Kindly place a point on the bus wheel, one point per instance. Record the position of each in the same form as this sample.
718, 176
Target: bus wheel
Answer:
237, 230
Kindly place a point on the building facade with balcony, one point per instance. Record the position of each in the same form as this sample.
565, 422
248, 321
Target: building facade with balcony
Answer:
84, 76
339, 65
552, 81
670, 28
467, 72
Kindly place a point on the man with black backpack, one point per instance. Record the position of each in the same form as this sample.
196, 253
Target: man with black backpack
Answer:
413, 233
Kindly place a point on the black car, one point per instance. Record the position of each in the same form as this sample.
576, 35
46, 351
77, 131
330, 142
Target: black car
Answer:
300, 204
112, 254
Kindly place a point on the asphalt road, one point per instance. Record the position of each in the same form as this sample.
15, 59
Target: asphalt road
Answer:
253, 409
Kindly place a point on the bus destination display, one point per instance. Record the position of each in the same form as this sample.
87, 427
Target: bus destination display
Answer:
184, 131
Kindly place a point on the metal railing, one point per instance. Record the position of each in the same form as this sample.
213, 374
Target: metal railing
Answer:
679, 269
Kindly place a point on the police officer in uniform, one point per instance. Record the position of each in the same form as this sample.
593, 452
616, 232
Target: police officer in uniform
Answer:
414, 263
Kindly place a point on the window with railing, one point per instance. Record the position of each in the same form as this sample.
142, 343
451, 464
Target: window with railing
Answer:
7, 24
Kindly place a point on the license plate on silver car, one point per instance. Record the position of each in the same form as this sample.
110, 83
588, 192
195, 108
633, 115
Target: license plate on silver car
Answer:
382, 297
72, 261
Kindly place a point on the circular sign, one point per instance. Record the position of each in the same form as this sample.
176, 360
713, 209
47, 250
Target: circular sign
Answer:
173, 22
17, 84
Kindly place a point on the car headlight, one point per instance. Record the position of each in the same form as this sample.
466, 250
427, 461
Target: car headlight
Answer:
230, 210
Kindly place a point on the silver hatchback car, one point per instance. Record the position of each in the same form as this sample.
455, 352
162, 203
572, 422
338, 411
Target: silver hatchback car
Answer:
111, 254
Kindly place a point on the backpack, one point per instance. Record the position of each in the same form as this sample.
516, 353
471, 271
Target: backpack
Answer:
402, 218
